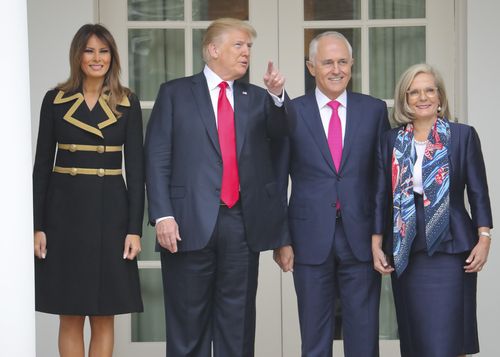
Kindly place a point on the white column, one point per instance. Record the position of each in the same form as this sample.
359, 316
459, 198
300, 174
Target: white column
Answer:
17, 315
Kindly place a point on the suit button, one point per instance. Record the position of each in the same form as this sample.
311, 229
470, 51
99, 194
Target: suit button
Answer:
339, 178
100, 172
73, 171
100, 149
217, 190
219, 162
72, 147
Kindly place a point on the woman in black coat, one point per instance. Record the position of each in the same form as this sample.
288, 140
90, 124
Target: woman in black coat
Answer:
87, 219
421, 221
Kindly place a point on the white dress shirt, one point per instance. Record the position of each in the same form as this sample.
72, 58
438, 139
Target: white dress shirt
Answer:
418, 185
213, 81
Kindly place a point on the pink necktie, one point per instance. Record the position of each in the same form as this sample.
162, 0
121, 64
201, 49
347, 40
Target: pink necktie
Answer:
335, 138
335, 134
229, 193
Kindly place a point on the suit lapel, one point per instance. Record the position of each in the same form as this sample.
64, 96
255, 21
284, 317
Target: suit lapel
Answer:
354, 117
241, 99
78, 99
310, 114
204, 104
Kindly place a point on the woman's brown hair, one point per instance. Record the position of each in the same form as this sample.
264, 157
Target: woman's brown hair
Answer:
111, 85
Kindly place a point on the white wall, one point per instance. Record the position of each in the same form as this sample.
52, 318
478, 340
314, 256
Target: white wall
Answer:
17, 330
51, 26
483, 98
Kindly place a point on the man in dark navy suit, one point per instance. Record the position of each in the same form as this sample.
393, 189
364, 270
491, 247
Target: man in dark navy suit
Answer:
213, 194
330, 159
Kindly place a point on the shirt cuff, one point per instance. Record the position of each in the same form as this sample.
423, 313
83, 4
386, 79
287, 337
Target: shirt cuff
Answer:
278, 101
158, 220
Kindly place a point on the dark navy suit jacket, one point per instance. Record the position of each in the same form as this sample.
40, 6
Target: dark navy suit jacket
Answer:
184, 163
316, 184
467, 170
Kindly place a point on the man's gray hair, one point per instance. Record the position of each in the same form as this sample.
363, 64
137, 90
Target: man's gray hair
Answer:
313, 46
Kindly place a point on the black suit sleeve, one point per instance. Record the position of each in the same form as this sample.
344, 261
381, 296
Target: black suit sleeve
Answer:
381, 196
44, 161
281, 120
281, 157
134, 167
384, 122
477, 185
158, 156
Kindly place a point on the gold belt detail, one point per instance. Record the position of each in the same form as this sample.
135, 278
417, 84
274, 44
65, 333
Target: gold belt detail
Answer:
98, 148
73, 171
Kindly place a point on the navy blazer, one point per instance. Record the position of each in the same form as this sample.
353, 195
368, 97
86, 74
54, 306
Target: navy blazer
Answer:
316, 184
467, 170
184, 163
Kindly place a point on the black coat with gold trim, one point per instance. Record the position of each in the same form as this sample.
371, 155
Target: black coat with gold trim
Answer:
84, 206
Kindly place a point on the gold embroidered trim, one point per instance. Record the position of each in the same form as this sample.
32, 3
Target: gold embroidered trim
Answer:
69, 114
73, 171
125, 102
111, 116
59, 99
98, 148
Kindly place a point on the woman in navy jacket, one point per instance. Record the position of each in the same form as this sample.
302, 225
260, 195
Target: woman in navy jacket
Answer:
424, 234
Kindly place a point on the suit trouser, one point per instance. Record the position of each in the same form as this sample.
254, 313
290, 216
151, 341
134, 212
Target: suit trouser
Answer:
358, 286
210, 293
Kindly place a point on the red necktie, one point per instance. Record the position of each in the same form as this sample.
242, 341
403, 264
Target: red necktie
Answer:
335, 134
229, 193
335, 138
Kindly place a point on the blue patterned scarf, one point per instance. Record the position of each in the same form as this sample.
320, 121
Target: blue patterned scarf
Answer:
436, 183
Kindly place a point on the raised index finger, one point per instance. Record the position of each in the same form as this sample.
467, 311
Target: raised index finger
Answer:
270, 67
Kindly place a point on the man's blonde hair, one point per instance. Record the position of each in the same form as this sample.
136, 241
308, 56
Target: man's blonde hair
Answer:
222, 26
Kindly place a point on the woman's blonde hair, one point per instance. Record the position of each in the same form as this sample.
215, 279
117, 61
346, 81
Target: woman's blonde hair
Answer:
221, 26
402, 113
112, 85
